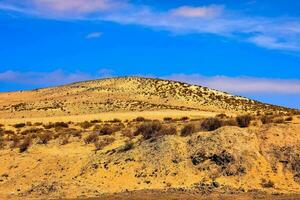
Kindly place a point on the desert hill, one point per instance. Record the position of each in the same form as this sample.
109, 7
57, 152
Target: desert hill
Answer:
136, 136
125, 94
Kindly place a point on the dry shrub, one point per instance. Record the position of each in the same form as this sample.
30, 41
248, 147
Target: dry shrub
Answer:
267, 184
106, 130
65, 140
91, 138
278, 120
31, 131
20, 125
37, 124
140, 119
126, 147
168, 130
15, 141
187, 130
243, 120
229, 122
45, 137
128, 133
99, 145
289, 119
28, 124
266, 119
25, 144
211, 124
2, 143
149, 129
154, 129
56, 125
1, 125
115, 121
168, 119
95, 121
85, 125
97, 127
184, 118
222, 116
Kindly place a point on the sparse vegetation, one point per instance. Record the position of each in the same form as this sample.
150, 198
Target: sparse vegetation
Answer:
149, 129
243, 121
99, 145
20, 125
45, 137
267, 184
91, 138
211, 124
25, 144
86, 125
187, 130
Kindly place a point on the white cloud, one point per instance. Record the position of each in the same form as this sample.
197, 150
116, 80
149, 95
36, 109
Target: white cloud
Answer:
94, 35
273, 33
238, 85
42, 79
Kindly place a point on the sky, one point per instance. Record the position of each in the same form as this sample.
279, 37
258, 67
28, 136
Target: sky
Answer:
248, 48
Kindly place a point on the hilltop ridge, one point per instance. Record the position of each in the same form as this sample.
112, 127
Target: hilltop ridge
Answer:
125, 94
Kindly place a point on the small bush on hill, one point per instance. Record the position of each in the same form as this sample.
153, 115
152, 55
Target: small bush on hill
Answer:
279, 120
99, 145
149, 129
20, 125
140, 119
86, 125
289, 118
267, 184
243, 121
127, 147
187, 130
106, 130
128, 133
184, 118
168, 119
168, 130
266, 119
95, 121
211, 124
25, 144
91, 138
45, 137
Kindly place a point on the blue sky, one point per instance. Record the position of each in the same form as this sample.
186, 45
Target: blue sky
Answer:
249, 48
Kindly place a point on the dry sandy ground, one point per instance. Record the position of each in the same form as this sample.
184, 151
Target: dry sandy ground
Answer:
263, 158
161, 195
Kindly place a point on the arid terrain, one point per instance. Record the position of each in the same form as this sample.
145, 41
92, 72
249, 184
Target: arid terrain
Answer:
140, 138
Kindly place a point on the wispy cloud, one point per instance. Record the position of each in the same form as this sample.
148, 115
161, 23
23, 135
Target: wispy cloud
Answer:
94, 35
238, 85
42, 79
273, 33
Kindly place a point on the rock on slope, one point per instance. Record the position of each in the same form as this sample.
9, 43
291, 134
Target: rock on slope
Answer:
124, 94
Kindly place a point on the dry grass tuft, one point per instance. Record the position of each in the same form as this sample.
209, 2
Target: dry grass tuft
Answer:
211, 124
187, 130
243, 121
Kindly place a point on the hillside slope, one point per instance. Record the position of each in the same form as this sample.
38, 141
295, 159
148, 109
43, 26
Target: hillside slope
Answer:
124, 94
